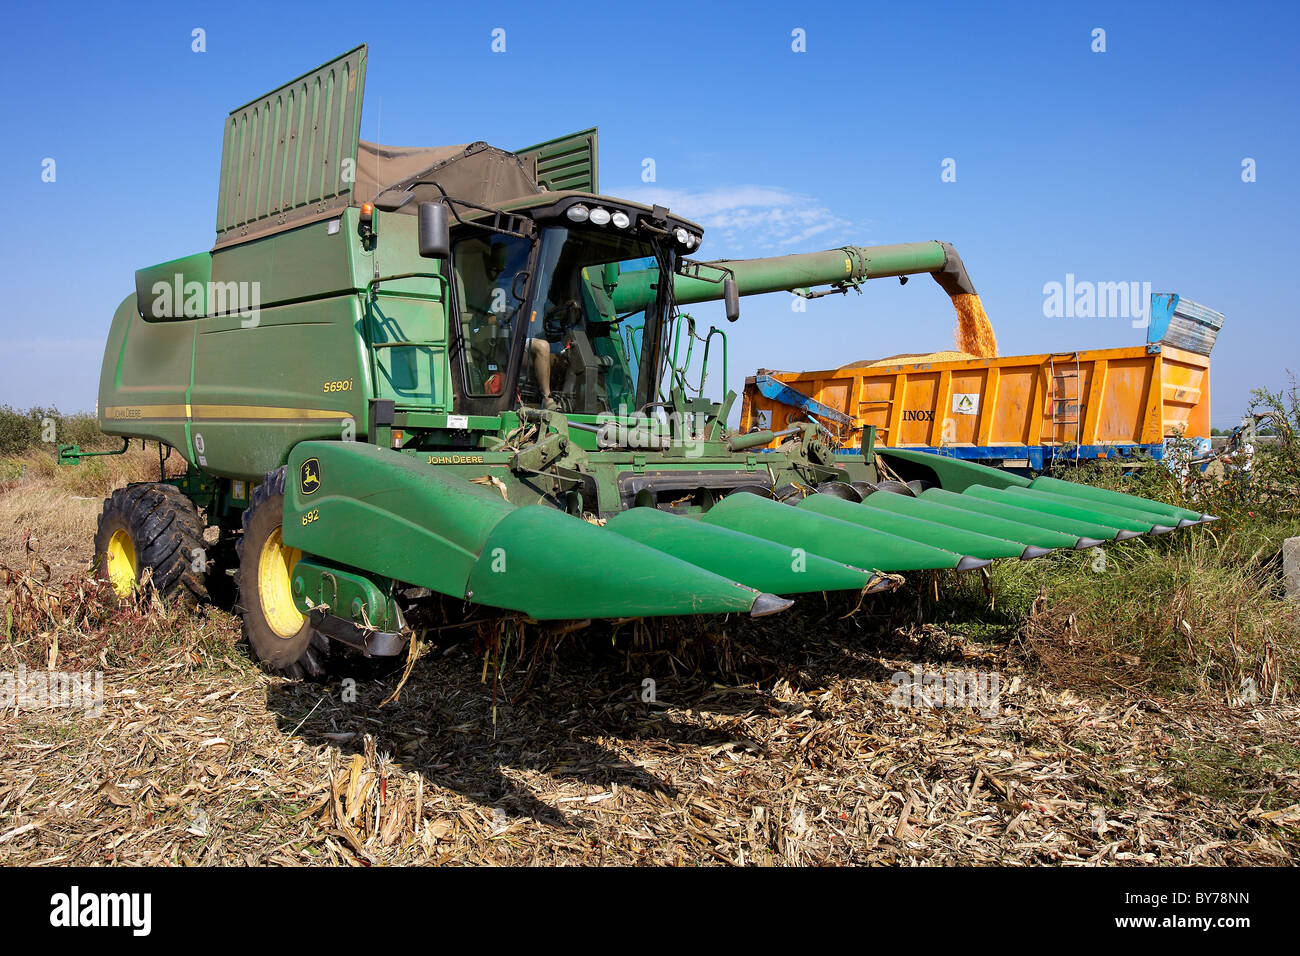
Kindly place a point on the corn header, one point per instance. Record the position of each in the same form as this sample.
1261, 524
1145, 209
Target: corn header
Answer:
404, 373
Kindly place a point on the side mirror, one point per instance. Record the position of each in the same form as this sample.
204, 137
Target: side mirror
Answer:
731, 296
433, 231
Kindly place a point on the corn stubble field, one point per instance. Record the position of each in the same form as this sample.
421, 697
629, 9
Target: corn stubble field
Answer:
1147, 714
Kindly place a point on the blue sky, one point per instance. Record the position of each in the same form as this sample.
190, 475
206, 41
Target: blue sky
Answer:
1117, 166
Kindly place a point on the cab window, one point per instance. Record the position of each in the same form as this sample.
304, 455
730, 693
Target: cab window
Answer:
485, 269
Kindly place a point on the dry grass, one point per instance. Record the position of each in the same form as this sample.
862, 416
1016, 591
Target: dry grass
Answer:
56, 508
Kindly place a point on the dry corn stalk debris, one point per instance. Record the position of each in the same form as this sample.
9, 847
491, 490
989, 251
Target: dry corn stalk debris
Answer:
198, 758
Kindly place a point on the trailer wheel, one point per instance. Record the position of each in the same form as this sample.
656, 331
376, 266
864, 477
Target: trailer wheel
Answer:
156, 527
279, 635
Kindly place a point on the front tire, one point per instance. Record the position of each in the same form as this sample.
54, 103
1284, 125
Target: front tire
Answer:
280, 636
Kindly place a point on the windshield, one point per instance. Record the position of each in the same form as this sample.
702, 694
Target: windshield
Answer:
586, 332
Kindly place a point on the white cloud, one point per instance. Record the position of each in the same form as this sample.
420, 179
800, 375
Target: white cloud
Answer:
746, 217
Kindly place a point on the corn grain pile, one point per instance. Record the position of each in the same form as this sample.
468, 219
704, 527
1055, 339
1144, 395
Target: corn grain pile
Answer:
912, 358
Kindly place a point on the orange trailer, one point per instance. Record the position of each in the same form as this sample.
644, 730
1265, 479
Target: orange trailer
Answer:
1014, 410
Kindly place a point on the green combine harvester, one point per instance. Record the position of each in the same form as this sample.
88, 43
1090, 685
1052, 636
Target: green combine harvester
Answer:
409, 373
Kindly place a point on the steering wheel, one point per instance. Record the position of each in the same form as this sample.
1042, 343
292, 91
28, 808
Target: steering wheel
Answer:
562, 317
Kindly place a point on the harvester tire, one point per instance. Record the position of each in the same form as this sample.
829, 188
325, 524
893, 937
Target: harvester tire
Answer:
152, 527
279, 636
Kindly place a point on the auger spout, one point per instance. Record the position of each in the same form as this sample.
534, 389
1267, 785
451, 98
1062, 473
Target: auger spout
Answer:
838, 270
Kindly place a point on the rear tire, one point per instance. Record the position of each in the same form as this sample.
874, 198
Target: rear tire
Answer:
278, 634
152, 526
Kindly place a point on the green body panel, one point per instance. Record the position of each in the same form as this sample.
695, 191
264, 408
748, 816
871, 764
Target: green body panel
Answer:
914, 528
236, 391
388, 513
145, 378
175, 290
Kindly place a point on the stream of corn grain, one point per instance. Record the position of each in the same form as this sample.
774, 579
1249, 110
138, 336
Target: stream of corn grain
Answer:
974, 332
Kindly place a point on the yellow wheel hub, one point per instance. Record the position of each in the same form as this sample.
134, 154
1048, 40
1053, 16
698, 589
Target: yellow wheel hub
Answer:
274, 587
122, 571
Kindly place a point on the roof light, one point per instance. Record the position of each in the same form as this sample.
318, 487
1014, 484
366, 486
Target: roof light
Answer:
682, 236
620, 220
599, 217
577, 213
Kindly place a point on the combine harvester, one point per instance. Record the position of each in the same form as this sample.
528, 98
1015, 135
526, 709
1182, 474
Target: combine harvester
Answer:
412, 382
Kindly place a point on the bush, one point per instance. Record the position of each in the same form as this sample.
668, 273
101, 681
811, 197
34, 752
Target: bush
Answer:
47, 427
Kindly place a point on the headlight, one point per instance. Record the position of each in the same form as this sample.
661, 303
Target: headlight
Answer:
599, 217
577, 213
692, 240
682, 235
620, 220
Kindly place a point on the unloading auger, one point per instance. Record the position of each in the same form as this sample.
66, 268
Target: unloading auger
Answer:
812, 275
405, 377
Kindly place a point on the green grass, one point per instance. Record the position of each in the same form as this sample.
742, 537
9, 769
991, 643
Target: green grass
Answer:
1200, 610
1236, 777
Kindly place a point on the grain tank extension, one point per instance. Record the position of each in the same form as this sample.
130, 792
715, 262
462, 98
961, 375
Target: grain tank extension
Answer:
400, 373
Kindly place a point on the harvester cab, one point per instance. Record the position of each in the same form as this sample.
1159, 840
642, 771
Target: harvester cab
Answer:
403, 375
534, 299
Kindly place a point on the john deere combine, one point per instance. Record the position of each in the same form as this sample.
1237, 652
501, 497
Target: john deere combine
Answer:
409, 372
